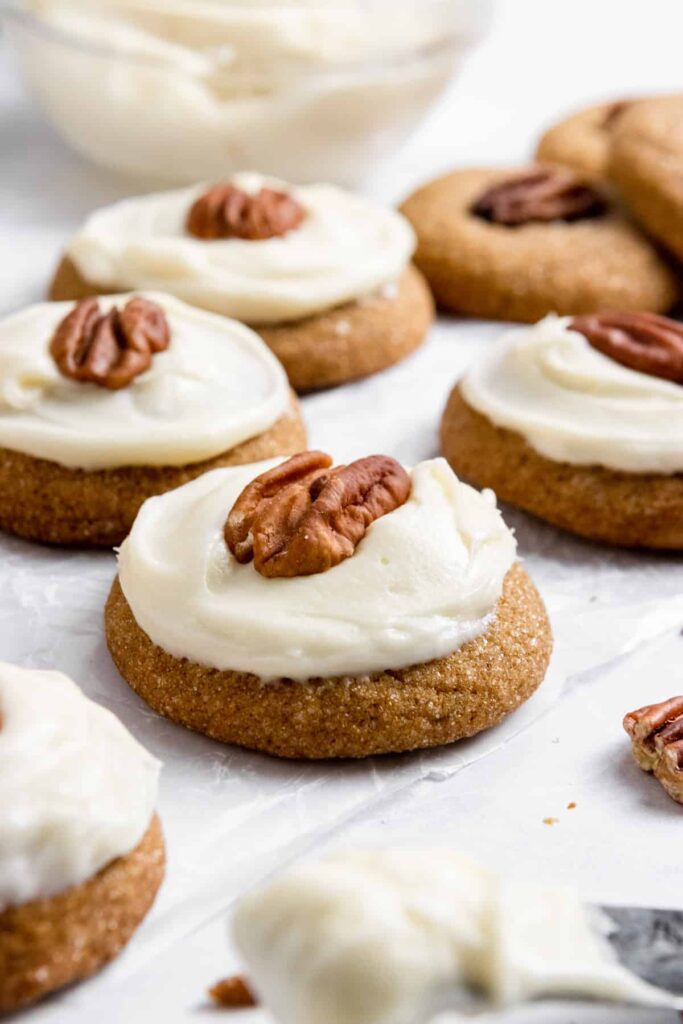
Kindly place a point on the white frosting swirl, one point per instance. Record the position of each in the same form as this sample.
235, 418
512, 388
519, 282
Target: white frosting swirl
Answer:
573, 404
384, 936
216, 386
345, 248
76, 790
424, 579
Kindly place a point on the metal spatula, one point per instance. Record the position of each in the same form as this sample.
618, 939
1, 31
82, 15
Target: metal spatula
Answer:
650, 944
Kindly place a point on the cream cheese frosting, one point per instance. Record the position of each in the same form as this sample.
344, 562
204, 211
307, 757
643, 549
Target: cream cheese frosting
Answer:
216, 386
76, 790
573, 404
425, 579
345, 248
382, 936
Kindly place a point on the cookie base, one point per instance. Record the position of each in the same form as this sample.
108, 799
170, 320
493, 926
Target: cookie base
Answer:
624, 509
50, 943
344, 344
425, 705
44, 501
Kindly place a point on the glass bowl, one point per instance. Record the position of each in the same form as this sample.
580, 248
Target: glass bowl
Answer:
187, 90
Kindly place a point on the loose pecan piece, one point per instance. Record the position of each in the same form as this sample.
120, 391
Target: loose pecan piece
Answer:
109, 349
303, 517
645, 342
232, 994
543, 194
226, 211
656, 732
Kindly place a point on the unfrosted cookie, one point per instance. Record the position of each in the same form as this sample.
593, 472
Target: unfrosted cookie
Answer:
518, 244
82, 854
93, 422
582, 140
646, 164
323, 275
315, 632
592, 442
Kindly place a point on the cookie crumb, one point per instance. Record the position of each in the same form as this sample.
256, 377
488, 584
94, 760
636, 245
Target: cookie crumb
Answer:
571, 806
232, 993
551, 821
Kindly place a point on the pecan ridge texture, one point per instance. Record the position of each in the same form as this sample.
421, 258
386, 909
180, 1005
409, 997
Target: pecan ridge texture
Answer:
645, 342
656, 732
226, 211
541, 195
305, 516
109, 349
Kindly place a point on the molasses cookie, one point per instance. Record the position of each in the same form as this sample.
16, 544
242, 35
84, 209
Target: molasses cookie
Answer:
646, 164
314, 612
323, 275
518, 244
110, 400
579, 421
82, 854
582, 140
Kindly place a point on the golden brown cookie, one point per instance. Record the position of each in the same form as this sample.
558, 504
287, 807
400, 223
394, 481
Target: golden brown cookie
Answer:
53, 942
626, 509
44, 501
330, 348
582, 140
536, 262
646, 164
422, 706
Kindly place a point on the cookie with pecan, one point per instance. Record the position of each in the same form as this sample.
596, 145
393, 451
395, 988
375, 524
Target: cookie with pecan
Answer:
582, 140
323, 275
108, 401
521, 243
646, 164
580, 422
331, 611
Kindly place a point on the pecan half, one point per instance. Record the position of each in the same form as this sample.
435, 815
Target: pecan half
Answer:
541, 195
233, 994
109, 349
226, 211
645, 342
303, 517
656, 732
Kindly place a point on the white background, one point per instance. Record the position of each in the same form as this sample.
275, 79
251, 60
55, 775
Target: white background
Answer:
232, 817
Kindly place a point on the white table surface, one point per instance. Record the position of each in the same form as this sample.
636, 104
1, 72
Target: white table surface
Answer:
231, 817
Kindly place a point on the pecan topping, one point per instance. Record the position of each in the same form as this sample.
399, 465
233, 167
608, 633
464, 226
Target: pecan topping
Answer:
109, 349
645, 342
656, 732
543, 194
226, 211
305, 517
233, 994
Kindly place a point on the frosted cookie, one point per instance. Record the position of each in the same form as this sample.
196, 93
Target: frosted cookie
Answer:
322, 274
579, 421
582, 140
315, 612
110, 400
81, 849
387, 936
646, 164
519, 244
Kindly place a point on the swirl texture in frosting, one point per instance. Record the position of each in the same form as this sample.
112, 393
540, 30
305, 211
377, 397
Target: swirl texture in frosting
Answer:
76, 790
425, 579
345, 248
216, 386
573, 404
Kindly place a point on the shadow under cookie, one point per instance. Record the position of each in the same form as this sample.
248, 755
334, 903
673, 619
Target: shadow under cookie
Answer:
49, 943
44, 501
349, 342
624, 509
425, 705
